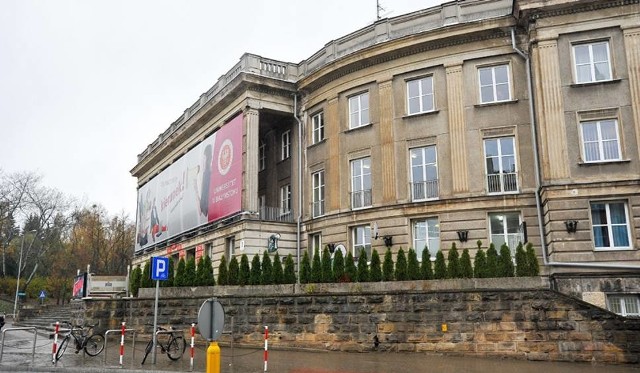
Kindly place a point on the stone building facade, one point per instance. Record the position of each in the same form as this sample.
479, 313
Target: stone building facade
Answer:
496, 121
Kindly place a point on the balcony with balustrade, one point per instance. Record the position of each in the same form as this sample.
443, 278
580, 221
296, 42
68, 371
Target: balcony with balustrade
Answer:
506, 182
424, 190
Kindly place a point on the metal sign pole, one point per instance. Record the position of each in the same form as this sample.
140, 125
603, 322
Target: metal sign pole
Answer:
155, 324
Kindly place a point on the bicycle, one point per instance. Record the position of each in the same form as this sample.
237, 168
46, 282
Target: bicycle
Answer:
174, 348
84, 339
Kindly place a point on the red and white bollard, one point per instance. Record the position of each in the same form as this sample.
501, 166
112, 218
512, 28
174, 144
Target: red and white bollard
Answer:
55, 343
193, 334
266, 346
122, 343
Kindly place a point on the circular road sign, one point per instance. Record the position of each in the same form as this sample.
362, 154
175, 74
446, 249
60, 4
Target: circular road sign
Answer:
211, 319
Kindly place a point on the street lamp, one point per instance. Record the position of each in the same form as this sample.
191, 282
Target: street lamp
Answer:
15, 303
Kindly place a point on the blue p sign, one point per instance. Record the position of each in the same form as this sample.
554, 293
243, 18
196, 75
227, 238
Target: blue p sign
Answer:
159, 268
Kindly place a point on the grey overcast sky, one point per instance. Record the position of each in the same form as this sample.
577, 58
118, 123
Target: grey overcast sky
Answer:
86, 85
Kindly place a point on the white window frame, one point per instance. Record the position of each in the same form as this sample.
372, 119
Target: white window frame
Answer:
361, 238
591, 63
512, 235
286, 144
426, 232
262, 156
601, 150
507, 180
359, 110
624, 304
421, 97
285, 199
425, 189
493, 84
318, 186
610, 225
315, 243
317, 128
360, 177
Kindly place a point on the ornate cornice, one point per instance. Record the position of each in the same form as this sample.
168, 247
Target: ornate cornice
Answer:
573, 9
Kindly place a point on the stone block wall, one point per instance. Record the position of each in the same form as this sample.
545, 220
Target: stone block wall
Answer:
521, 318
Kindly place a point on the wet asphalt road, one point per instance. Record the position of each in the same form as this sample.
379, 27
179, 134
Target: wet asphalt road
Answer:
18, 346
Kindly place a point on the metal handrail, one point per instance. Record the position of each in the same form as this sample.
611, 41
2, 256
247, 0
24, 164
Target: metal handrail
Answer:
35, 338
133, 346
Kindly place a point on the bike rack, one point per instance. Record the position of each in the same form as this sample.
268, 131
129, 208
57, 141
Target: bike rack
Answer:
35, 338
170, 331
111, 331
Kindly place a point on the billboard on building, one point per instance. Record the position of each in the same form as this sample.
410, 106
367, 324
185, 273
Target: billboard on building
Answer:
202, 186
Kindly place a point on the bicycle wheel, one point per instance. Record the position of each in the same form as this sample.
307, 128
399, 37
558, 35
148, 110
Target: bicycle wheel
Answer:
147, 351
62, 347
94, 345
176, 348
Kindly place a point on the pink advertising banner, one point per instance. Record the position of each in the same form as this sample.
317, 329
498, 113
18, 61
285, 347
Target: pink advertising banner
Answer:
202, 186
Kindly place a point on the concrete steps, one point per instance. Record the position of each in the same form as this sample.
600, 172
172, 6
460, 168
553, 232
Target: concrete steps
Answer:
44, 319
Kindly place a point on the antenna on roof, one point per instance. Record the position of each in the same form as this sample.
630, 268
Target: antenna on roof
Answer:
379, 9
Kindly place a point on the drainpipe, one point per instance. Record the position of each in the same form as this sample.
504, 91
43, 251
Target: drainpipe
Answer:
537, 173
299, 217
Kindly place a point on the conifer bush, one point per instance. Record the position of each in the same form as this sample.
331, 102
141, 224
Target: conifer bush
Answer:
190, 272
480, 269
532, 261
401, 266
146, 281
492, 261
522, 267
413, 266
305, 269
233, 276
316, 268
278, 271
387, 266
256, 270
440, 267
134, 282
363, 267
223, 271
180, 272
205, 272
453, 265
351, 272
426, 269
505, 262
338, 266
327, 272
289, 270
375, 268
267, 269
465, 264
244, 277
199, 271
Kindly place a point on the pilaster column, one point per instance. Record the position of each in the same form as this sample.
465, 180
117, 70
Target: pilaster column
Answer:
457, 129
631, 47
387, 148
550, 111
333, 180
251, 154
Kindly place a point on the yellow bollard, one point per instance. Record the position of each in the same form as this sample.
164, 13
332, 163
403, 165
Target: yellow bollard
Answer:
213, 358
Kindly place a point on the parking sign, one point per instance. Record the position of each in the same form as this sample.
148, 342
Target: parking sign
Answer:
159, 268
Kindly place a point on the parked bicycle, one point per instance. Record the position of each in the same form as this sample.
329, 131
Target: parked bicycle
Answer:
174, 344
84, 339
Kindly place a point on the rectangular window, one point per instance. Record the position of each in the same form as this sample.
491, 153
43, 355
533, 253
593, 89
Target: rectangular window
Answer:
610, 224
262, 156
361, 183
494, 84
625, 305
500, 160
359, 110
315, 244
208, 249
426, 233
505, 228
317, 122
420, 95
285, 199
318, 193
286, 145
592, 62
230, 248
424, 173
361, 240
600, 141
